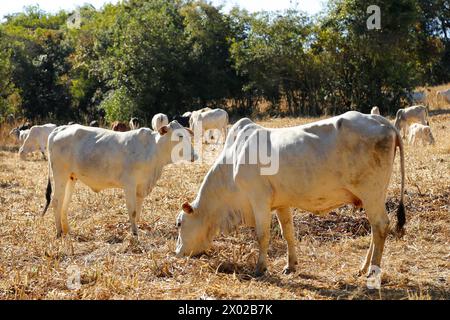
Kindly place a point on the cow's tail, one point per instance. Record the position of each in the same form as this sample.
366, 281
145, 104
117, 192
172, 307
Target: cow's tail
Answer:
48, 193
401, 217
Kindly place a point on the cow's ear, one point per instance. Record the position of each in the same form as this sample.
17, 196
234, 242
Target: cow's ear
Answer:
163, 130
187, 208
190, 131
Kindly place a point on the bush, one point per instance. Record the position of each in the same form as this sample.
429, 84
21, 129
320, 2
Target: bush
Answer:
118, 105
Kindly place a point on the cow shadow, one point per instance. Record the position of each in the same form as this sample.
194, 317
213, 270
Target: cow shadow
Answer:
301, 281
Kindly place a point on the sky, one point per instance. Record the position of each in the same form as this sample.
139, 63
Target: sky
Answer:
12, 6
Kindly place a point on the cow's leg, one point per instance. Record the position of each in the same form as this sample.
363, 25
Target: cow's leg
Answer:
287, 229
67, 197
262, 224
379, 222
130, 195
58, 201
366, 263
140, 196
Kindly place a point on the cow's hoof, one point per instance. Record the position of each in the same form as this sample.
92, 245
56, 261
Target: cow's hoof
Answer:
260, 271
289, 270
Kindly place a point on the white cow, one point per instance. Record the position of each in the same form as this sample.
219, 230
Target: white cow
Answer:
159, 120
214, 119
20, 135
194, 114
405, 117
36, 140
102, 159
235, 192
418, 132
375, 110
444, 94
134, 123
418, 96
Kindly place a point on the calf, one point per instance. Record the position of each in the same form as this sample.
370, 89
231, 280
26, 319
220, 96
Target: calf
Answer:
237, 192
101, 159
36, 140
420, 132
159, 120
407, 116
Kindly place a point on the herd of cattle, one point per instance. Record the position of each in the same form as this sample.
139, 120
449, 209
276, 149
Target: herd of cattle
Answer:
233, 192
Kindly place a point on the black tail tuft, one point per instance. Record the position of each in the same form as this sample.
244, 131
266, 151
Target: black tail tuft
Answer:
401, 219
48, 195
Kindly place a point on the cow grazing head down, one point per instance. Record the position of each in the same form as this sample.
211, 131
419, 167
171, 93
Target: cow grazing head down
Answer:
193, 238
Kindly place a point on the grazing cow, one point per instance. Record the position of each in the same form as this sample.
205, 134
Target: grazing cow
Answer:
159, 120
94, 123
235, 192
375, 110
119, 126
134, 123
405, 117
418, 132
103, 159
36, 140
444, 94
209, 120
417, 96
20, 135
183, 120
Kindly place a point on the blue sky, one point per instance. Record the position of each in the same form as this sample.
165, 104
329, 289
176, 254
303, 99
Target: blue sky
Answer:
310, 6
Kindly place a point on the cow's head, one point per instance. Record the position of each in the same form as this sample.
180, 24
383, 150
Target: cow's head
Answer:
193, 232
180, 141
428, 136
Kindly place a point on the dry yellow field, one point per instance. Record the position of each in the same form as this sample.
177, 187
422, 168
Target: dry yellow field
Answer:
36, 265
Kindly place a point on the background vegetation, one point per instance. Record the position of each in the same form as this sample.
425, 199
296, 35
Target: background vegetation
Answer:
141, 57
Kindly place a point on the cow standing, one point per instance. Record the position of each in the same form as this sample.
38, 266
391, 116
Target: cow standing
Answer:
36, 140
213, 119
103, 159
405, 117
235, 192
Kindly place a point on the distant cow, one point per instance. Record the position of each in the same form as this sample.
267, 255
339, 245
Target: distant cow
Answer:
36, 140
202, 122
134, 123
235, 191
159, 120
405, 117
20, 135
417, 96
103, 159
119, 126
94, 123
418, 132
444, 94
375, 110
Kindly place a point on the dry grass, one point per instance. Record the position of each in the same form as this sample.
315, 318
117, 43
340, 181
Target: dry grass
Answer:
432, 101
34, 264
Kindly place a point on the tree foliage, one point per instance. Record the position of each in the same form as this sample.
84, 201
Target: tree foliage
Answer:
138, 57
